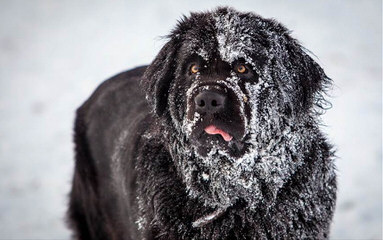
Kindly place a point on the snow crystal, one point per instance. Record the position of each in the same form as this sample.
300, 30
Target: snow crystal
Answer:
205, 176
203, 53
141, 221
208, 218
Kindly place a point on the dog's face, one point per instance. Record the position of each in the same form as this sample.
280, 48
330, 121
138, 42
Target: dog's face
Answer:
234, 89
214, 104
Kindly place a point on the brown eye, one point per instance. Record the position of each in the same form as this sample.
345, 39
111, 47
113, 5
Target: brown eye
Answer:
241, 69
194, 68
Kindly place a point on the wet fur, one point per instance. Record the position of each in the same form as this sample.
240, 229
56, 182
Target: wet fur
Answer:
138, 174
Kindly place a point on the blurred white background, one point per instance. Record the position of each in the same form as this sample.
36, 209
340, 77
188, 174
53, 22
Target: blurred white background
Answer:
54, 53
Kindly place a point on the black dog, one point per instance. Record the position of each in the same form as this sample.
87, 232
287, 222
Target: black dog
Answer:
225, 145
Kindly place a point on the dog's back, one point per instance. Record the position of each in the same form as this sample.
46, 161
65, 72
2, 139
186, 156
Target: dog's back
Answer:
113, 115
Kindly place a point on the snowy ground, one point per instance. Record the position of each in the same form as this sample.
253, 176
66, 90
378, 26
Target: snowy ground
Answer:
54, 53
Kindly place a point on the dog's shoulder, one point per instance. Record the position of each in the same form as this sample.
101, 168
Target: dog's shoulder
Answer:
118, 104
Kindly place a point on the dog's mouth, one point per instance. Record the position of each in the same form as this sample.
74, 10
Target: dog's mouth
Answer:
219, 136
214, 130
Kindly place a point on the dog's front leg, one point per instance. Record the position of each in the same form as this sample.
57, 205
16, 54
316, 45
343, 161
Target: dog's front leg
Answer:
165, 211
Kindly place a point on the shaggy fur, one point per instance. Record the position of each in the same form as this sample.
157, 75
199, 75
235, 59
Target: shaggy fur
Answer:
148, 168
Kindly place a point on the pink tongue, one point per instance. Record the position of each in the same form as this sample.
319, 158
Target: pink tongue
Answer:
211, 129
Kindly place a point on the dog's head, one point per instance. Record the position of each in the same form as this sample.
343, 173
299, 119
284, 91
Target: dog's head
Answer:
235, 89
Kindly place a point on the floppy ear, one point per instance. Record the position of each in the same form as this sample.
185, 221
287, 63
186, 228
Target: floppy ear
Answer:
303, 80
157, 77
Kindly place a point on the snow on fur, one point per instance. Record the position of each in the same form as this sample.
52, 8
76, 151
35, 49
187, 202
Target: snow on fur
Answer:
283, 143
276, 148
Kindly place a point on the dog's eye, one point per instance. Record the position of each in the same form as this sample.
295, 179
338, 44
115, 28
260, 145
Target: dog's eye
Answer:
194, 68
241, 69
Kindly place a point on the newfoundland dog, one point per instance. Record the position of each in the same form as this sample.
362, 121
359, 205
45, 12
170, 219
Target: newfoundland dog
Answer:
218, 138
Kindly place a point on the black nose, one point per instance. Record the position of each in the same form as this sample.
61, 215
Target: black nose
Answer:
209, 102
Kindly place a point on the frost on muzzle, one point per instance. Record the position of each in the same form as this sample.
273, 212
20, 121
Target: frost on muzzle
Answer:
215, 117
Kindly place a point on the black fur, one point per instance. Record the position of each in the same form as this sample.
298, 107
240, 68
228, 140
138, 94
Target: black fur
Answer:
147, 169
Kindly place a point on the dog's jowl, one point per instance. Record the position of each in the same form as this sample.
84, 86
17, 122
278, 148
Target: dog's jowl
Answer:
218, 138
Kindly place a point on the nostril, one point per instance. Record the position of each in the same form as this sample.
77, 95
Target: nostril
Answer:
209, 101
